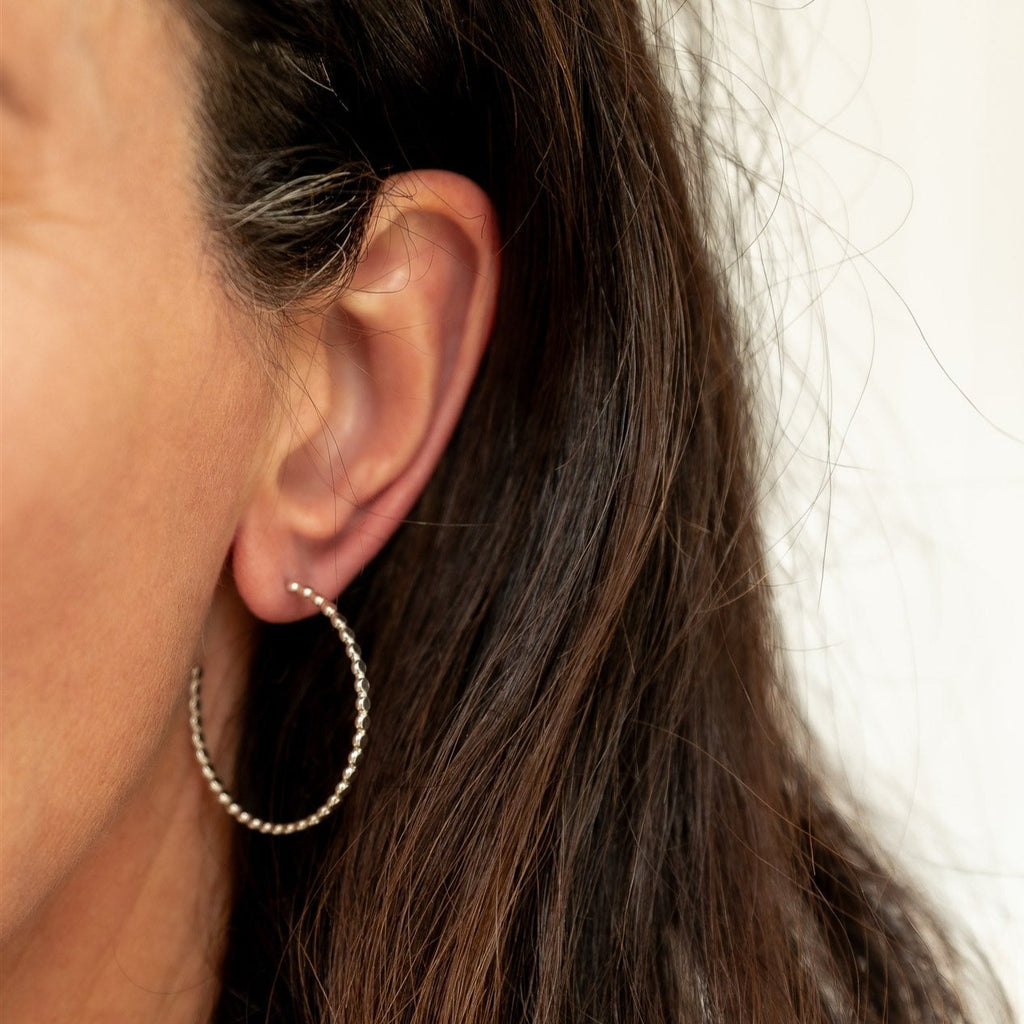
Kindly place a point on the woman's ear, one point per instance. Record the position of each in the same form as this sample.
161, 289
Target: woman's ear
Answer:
377, 383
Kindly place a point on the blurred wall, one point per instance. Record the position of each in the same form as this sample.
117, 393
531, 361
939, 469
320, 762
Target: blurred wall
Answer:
892, 158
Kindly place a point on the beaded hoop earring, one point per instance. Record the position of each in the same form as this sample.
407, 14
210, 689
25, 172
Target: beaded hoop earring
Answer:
362, 688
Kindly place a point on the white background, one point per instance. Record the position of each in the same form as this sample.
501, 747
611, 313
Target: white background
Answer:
898, 535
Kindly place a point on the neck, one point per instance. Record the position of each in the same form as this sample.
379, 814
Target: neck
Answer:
136, 931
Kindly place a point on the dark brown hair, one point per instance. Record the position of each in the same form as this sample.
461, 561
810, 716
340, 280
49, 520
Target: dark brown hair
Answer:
586, 797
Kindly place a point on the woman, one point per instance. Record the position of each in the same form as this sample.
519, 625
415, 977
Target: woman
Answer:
418, 303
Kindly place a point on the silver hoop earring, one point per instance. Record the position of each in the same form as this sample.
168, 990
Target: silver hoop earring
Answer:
362, 688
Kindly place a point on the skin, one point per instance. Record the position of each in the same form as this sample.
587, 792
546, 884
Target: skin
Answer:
159, 486
131, 401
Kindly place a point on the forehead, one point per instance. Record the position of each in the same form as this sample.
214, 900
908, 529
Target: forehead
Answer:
57, 56
95, 129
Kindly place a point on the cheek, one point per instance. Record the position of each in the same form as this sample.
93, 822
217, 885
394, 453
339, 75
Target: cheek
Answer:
126, 447
130, 417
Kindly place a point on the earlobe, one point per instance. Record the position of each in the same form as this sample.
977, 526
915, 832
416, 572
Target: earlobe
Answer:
378, 381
